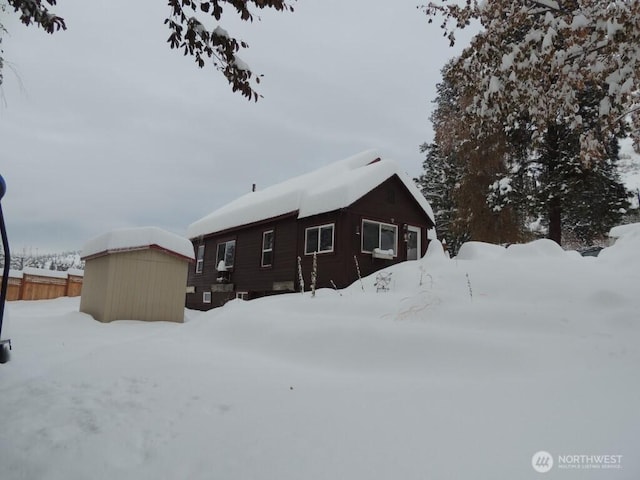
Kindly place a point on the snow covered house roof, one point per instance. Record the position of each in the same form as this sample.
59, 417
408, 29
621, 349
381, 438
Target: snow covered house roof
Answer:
129, 239
329, 188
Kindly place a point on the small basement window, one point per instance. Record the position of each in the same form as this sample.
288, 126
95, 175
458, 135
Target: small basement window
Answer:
319, 239
206, 297
242, 295
377, 235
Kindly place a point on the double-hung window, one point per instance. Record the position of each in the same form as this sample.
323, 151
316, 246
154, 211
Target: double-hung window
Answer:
267, 248
383, 236
225, 255
200, 259
319, 239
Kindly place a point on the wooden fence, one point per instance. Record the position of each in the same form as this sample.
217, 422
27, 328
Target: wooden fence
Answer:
40, 284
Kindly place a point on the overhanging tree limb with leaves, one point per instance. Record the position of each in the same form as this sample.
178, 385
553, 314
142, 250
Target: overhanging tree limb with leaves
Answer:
540, 55
188, 33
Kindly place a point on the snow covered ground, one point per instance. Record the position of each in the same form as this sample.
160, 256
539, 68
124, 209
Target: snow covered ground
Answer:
463, 370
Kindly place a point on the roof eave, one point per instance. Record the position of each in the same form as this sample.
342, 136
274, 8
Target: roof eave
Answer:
257, 223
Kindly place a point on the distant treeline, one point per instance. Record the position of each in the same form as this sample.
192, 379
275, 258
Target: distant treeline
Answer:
49, 261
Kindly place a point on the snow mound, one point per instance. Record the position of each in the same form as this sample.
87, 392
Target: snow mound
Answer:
624, 252
541, 248
435, 252
479, 251
631, 229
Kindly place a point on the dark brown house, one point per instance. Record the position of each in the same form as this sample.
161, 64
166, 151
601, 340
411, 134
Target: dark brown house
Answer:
361, 208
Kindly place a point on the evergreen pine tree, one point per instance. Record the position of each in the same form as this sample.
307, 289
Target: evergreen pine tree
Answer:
439, 184
551, 182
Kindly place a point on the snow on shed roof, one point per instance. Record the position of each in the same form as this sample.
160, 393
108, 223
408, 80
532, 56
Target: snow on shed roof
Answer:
135, 238
329, 188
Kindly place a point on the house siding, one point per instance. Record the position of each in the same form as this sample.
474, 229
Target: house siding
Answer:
247, 274
332, 266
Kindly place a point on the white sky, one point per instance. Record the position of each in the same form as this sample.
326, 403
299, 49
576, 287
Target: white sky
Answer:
103, 126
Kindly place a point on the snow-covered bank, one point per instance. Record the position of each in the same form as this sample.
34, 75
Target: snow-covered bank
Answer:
464, 370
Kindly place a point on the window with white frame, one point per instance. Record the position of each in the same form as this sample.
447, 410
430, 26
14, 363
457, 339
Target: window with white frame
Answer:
383, 236
267, 248
242, 295
200, 259
206, 297
226, 253
319, 239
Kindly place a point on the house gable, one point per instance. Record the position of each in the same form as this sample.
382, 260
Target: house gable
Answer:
389, 203
392, 202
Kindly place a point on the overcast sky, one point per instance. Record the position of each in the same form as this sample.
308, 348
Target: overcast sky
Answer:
103, 126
